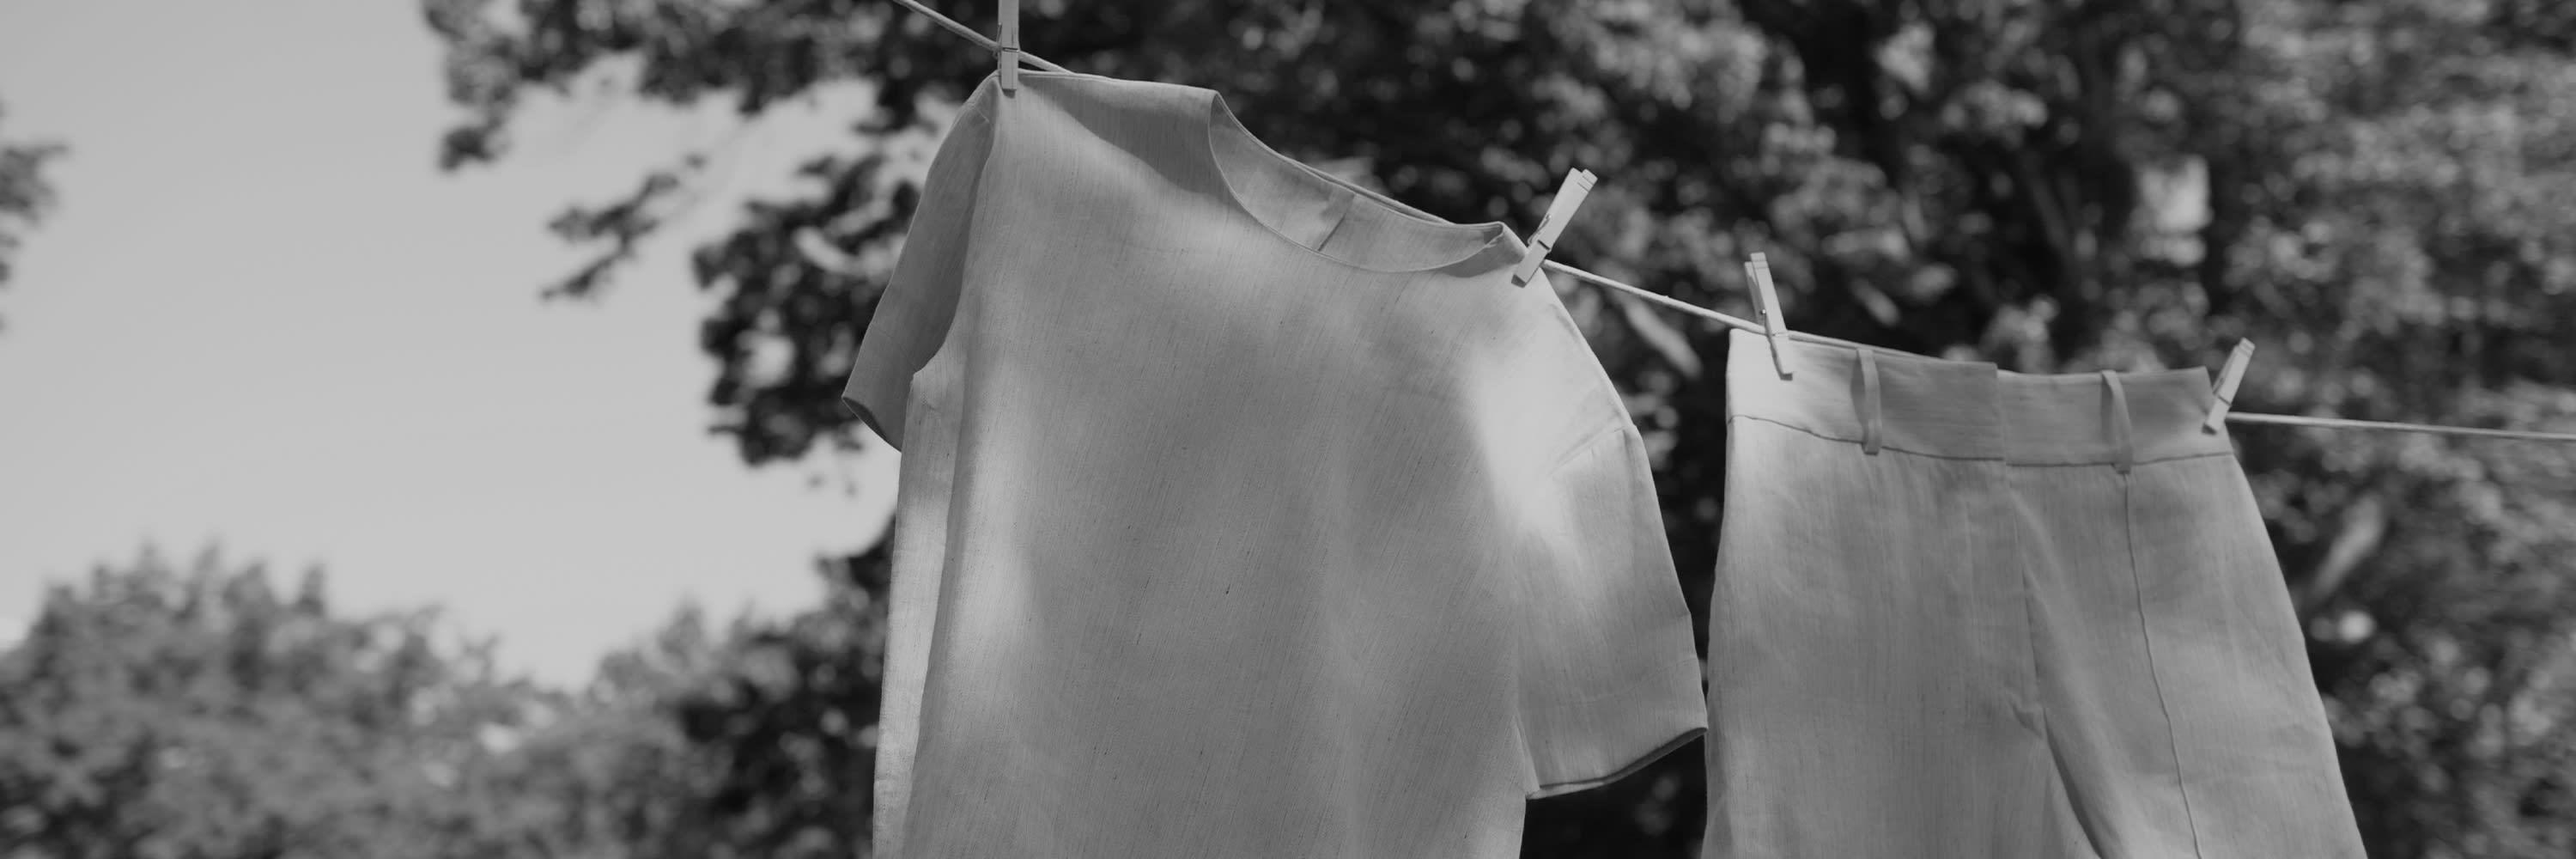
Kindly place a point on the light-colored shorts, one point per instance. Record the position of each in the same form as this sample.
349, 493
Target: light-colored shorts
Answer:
1968, 613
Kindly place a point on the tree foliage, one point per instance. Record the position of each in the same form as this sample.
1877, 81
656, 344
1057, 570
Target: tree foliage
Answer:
2369, 189
155, 712
25, 196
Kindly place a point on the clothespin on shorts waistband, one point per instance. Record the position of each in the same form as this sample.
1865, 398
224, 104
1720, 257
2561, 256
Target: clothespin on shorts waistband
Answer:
2228, 377
1766, 300
1569, 196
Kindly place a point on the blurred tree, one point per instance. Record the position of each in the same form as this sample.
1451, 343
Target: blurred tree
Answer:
2404, 251
24, 194
2367, 188
611, 774
754, 744
787, 716
157, 713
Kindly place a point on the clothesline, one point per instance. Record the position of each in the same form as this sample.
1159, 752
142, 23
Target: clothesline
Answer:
987, 43
2236, 417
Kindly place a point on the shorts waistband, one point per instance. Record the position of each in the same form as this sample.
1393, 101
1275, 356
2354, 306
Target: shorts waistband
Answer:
1972, 409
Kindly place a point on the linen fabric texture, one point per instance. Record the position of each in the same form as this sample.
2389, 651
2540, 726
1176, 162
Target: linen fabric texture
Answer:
1967, 613
1241, 515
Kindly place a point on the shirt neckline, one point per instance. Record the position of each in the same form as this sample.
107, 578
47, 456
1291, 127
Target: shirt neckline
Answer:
1499, 248
1220, 118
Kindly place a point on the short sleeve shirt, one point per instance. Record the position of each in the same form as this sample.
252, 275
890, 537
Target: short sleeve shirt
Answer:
1242, 515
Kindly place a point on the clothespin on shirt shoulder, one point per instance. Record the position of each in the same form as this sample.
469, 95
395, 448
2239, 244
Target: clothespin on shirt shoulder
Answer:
1569, 196
1766, 300
2229, 376
1008, 47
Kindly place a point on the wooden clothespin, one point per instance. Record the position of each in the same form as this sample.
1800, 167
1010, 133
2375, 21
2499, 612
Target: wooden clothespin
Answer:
2229, 376
1569, 196
1766, 300
1008, 47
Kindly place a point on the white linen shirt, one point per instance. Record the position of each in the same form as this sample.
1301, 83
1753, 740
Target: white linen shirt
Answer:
1241, 515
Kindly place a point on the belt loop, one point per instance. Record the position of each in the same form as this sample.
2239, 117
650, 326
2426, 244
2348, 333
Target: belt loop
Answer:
2121, 450
1870, 419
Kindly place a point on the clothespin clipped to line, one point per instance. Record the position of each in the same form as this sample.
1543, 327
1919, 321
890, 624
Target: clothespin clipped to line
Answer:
1007, 48
1766, 300
1569, 196
2229, 376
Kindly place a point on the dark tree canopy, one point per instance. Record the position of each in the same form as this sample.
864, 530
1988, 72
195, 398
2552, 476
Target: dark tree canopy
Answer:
2371, 190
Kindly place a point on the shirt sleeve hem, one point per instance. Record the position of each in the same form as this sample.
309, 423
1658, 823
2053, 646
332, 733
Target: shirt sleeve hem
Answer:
1640, 762
893, 435
1589, 439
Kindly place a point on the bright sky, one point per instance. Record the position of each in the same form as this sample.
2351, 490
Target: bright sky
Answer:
261, 319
